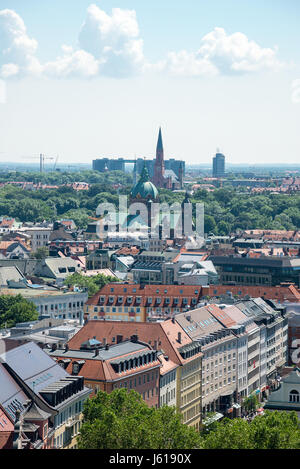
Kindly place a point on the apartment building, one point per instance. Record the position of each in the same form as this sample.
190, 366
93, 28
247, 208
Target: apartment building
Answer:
52, 302
176, 348
129, 364
135, 302
267, 344
262, 271
219, 348
55, 398
39, 236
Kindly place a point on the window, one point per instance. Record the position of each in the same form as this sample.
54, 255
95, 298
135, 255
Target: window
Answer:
294, 396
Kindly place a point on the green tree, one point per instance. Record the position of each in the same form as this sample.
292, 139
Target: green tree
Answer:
14, 309
93, 284
40, 253
251, 403
122, 420
273, 430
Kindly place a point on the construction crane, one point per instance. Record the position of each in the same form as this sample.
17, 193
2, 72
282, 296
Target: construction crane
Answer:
42, 159
54, 167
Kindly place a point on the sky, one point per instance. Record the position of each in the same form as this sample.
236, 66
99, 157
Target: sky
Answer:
91, 79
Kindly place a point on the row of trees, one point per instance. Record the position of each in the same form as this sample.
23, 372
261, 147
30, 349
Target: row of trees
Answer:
226, 209
122, 420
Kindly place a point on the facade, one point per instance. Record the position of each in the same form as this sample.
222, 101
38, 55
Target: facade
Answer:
135, 302
267, 344
39, 236
6, 430
43, 400
287, 395
129, 364
177, 167
218, 166
263, 271
219, 348
293, 334
52, 302
177, 348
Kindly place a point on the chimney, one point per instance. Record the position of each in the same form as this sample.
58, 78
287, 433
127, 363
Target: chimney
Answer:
106, 347
104, 341
179, 337
96, 352
134, 338
66, 348
119, 338
53, 347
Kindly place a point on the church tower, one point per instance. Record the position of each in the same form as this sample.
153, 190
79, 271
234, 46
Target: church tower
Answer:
159, 165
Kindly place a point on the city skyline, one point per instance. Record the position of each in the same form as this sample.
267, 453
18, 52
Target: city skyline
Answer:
98, 79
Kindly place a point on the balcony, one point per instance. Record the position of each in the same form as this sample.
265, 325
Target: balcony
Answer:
72, 420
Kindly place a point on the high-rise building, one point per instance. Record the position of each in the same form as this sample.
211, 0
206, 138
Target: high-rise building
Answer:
219, 165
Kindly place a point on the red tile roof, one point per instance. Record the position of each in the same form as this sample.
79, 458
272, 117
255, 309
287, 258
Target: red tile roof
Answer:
102, 370
280, 293
162, 335
165, 293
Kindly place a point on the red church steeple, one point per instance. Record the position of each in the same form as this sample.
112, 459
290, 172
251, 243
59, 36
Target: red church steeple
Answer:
159, 166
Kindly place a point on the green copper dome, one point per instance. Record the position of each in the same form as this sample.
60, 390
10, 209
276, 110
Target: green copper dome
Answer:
144, 189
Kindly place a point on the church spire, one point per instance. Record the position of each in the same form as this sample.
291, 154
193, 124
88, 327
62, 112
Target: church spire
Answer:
159, 147
159, 165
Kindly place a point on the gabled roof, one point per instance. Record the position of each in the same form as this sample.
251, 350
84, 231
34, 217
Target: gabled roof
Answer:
163, 335
35, 413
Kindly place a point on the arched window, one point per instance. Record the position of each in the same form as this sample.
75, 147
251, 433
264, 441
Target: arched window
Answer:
294, 396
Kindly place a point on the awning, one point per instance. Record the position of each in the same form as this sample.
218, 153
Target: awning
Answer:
214, 418
236, 406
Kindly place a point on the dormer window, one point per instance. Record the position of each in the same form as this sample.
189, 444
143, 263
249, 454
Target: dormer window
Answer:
129, 299
120, 299
167, 300
176, 301
76, 366
138, 299
64, 363
111, 299
149, 300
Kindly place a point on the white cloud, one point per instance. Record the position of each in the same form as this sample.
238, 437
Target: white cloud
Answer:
113, 40
111, 45
17, 52
221, 53
185, 63
107, 45
296, 91
72, 64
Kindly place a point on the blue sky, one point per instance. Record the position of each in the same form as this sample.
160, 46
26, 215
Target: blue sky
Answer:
165, 63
